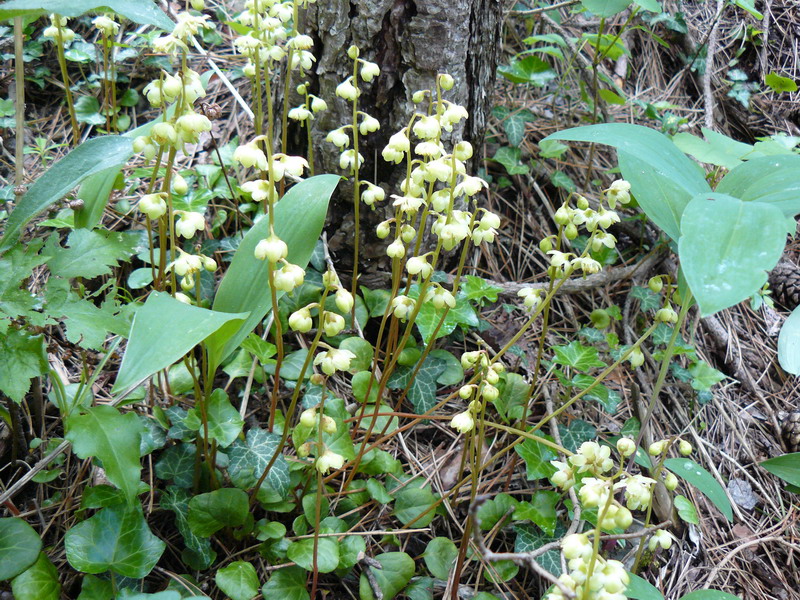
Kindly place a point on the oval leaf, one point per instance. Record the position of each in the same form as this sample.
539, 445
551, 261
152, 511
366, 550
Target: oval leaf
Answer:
302, 552
787, 467
726, 248
440, 555
288, 583
704, 482
641, 589
19, 547
709, 595
238, 580
769, 179
39, 582
398, 568
789, 343
208, 513
144, 12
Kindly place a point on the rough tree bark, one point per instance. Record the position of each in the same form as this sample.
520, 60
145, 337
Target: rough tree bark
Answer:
411, 41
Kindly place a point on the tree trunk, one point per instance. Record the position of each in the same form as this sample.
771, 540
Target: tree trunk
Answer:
411, 42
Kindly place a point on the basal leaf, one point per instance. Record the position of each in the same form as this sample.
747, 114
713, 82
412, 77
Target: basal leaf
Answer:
210, 512
397, 570
23, 359
39, 582
91, 157
299, 217
250, 457
174, 328
440, 556
302, 553
768, 179
789, 343
709, 595
786, 466
605, 8
704, 482
662, 178
641, 589
288, 583
727, 246
117, 538
103, 432
238, 580
144, 12
19, 547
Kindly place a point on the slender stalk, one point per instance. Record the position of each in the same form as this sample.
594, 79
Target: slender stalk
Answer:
19, 113
62, 63
356, 193
320, 491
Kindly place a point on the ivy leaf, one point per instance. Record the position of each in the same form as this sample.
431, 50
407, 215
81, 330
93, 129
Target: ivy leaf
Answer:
249, 458
23, 359
397, 570
429, 316
224, 422
288, 583
238, 580
477, 289
302, 553
210, 512
541, 510
103, 432
704, 376
177, 500
511, 159
176, 464
610, 399
117, 538
537, 458
514, 126
422, 392
577, 356
647, 299
39, 582
90, 253
513, 397
578, 432
529, 538
19, 547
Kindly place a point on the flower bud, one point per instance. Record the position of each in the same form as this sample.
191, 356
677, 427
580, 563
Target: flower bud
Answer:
671, 481
396, 249
344, 300
418, 96
353, 52
332, 324
327, 424
300, 320
626, 447
545, 245
490, 393
655, 284
657, 448
383, 230
308, 418
179, 185
272, 248
685, 448
304, 450
666, 315
600, 318
446, 81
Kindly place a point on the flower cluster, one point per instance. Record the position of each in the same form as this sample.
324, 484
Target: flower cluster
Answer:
475, 393
604, 579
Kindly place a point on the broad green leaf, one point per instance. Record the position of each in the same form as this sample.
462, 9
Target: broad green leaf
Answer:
87, 110
90, 253
103, 432
200, 551
210, 512
144, 12
768, 179
749, 6
494, 510
299, 217
422, 392
378, 492
609, 398
709, 595
778, 83
577, 356
94, 192
537, 459
94, 588
640, 589
453, 372
501, 570
238, 580
716, 149
478, 289
440, 556
302, 553
19, 547
422, 589
23, 359
514, 125
649, 5
93, 156
398, 568
288, 583
686, 510
250, 457
511, 159
531, 69
611, 97
117, 538
176, 464
224, 422
39, 582
704, 376
429, 316
786, 466
513, 397
662, 178
702, 480
411, 502
350, 549
607, 44
541, 510
605, 8
726, 248
172, 327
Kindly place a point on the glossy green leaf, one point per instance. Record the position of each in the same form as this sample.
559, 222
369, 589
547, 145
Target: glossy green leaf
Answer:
93, 156
768, 179
302, 553
789, 343
778, 83
531, 69
288, 583
541, 510
199, 550
411, 502
363, 353
38, 582
299, 217
249, 457
210, 512
727, 246
440, 556
19, 547
702, 480
174, 328
144, 12
641, 589
238, 580
497, 509
398, 568
537, 459
94, 192
716, 149
786, 466
662, 178
103, 432
422, 390
224, 421
453, 372
117, 538
709, 595
577, 356
94, 588
605, 8
686, 510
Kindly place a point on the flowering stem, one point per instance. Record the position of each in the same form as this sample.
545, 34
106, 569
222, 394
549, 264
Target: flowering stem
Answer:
62, 63
320, 491
278, 344
356, 193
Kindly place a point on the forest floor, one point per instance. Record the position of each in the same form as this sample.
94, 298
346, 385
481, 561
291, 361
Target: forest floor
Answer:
749, 416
